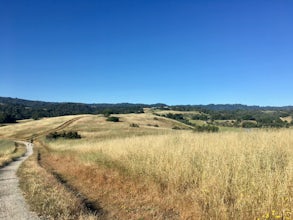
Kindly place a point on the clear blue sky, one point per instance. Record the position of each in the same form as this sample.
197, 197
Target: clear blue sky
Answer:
148, 51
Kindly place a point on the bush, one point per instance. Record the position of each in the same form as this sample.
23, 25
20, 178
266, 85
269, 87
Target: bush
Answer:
107, 112
248, 124
200, 117
113, 119
72, 135
133, 125
155, 125
67, 135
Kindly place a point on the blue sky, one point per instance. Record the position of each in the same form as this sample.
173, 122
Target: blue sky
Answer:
139, 51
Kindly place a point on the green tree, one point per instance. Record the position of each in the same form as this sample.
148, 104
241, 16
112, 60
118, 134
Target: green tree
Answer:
113, 119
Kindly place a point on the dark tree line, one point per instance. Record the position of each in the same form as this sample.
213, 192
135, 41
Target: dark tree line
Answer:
17, 109
6, 118
228, 107
12, 109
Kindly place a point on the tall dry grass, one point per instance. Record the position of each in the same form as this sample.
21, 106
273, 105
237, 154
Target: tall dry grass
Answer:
6, 147
47, 196
10, 151
231, 175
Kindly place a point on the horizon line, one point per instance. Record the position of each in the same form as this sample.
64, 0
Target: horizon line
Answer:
141, 103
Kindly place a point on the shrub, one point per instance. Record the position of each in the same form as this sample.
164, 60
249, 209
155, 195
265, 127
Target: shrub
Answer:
248, 124
107, 113
155, 125
199, 117
133, 125
113, 119
72, 135
67, 135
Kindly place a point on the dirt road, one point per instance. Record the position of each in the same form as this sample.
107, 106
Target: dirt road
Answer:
12, 203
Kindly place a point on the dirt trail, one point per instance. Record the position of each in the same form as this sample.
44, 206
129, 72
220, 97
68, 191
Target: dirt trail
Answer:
12, 203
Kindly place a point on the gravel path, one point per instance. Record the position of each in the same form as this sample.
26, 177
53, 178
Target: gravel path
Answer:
12, 203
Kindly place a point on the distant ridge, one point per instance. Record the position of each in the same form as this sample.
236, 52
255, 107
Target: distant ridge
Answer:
33, 103
225, 107
214, 107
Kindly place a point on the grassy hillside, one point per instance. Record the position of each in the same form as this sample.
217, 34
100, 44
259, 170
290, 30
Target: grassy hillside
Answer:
151, 171
26, 129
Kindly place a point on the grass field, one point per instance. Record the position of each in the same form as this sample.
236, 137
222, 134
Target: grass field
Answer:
47, 196
29, 128
10, 151
6, 147
154, 172
226, 175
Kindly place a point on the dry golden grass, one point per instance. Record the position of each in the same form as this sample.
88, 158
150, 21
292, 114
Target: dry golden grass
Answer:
96, 127
25, 130
231, 175
48, 197
43, 192
120, 196
185, 175
6, 147
9, 151
288, 119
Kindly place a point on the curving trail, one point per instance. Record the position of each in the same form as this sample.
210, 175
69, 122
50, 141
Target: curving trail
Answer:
12, 203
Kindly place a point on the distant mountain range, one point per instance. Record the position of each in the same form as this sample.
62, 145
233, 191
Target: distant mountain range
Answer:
225, 107
215, 107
